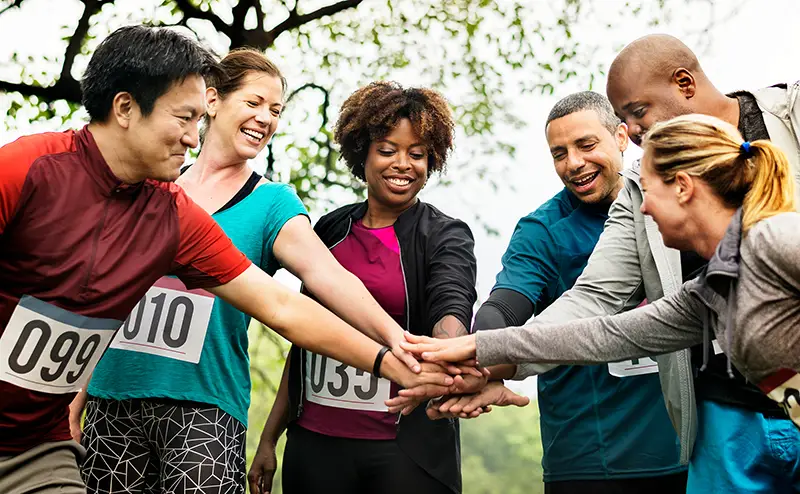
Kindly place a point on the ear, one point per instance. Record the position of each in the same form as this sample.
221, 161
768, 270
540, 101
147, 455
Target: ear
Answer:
123, 107
684, 79
212, 100
684, 187
621, 136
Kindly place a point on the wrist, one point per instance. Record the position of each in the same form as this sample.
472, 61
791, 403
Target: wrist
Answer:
392, 368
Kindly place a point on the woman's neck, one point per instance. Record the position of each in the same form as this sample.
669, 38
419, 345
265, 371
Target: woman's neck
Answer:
216, 166
710, 229
379, 215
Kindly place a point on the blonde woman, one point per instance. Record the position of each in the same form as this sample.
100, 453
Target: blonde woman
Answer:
730, 201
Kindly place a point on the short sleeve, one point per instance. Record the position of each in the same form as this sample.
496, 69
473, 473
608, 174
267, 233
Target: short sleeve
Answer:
16, 159
281, 205
206, 257
530, 263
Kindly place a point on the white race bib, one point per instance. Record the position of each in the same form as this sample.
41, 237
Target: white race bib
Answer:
49, 349
170, 321
636, 367
334, 384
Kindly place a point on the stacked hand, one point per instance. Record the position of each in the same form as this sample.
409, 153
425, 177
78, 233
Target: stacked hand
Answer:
470, 395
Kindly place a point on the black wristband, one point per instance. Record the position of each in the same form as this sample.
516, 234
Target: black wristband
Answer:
376, 367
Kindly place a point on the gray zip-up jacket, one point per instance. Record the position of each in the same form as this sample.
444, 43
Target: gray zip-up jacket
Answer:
631, 263
749, 294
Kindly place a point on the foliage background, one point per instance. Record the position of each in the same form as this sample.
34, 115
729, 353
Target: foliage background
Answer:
500, 63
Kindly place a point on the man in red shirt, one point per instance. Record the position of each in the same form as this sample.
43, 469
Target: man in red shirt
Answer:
89, 221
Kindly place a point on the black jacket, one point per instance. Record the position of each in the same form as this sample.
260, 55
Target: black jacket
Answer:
439, 267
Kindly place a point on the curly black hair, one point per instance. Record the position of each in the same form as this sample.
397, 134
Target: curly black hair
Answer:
374, 110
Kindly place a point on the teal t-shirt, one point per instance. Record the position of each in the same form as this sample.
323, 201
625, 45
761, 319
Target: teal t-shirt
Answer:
221, 376
593, 425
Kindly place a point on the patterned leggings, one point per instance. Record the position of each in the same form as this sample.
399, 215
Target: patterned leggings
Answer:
155, 446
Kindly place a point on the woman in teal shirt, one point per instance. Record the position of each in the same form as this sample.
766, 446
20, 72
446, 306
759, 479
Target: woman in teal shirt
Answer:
178, 419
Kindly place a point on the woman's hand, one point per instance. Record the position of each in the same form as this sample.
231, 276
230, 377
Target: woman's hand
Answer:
459, 349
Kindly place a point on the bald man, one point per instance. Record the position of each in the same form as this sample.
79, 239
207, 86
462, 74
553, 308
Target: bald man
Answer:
744, 444
653, 79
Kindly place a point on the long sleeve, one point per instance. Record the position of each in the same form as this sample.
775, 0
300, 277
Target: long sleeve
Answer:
667, 325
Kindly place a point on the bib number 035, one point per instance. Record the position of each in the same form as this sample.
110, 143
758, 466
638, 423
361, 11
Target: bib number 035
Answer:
334, 384
45, 348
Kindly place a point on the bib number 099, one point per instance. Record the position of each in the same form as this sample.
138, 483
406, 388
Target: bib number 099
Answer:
48, 349
61, 353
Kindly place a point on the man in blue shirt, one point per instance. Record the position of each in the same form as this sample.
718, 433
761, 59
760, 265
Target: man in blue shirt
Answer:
604, 428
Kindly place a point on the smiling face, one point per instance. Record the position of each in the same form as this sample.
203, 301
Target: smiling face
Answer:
245, 120
157, 143
663, 202
396, 167
587, 157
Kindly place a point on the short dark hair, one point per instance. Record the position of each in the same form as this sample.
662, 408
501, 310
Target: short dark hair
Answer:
586, 100
373, 111
143, 61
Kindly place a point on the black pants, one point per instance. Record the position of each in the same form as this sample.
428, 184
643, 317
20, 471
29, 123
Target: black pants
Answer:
315, 464
665, 484
162, 446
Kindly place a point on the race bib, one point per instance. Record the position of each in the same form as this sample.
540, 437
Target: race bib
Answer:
170, 321
49, 349
334, 384
635, 367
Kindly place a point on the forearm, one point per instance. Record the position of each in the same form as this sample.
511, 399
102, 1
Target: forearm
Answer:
303, 321
504, 308
652, 330
279, 416
448, 327
343, 293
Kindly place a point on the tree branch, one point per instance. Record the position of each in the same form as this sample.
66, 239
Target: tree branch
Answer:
66, 89
15, 3
90, 7
264, 40
189, 10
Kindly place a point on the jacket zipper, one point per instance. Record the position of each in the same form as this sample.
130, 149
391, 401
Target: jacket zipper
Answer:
408, 310
303, 352
683, 358
95, 241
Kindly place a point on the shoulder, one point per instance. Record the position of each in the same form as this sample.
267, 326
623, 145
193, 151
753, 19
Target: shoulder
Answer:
553, 210
277, 193
21, 153
433, 222
335, 217
779, 234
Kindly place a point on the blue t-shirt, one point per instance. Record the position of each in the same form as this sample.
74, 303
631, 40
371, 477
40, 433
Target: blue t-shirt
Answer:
220, 372
593, 425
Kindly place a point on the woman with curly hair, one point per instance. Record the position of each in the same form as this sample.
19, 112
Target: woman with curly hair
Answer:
419, 265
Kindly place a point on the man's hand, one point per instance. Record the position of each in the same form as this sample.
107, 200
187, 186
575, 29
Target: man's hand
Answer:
441, 350
262, 470
494, 394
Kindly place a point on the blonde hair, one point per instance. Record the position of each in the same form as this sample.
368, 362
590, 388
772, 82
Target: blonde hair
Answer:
759, 179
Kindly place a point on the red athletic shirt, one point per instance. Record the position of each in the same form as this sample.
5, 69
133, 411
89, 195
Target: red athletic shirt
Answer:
81, 248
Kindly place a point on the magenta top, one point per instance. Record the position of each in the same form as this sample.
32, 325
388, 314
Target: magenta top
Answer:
339, 400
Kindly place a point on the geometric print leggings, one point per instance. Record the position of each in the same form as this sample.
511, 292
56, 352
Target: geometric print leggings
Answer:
162, 446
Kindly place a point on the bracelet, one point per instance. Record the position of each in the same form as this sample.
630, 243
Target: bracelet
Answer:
376, 367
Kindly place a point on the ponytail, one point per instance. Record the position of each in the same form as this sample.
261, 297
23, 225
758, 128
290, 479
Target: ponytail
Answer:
771, 190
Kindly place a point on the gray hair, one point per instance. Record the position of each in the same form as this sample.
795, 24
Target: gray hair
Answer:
586, 100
